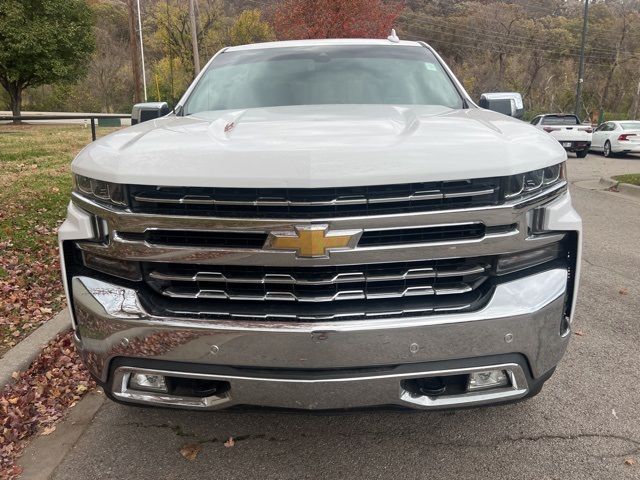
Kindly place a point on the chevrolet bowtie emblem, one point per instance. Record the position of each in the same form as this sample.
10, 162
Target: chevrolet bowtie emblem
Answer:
312, 240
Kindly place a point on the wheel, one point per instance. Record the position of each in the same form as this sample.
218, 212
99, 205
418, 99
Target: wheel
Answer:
607, 149
582, 153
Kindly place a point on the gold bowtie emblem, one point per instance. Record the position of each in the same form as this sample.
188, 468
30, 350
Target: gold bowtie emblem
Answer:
312, 240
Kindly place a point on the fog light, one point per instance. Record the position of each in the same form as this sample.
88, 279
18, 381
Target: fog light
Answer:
488, 379
145, 381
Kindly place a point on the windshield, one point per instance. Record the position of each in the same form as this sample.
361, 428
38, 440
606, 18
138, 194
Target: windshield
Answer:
560, 120
630, 125
325, 74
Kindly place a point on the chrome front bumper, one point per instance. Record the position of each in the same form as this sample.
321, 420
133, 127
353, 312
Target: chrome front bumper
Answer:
338, 364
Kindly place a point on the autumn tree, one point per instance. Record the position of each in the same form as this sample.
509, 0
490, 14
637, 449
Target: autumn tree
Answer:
300, 19
43, 41
249, 28
169, 20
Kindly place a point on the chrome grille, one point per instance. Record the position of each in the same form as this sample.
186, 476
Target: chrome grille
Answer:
422, 285
305, 203
166, 233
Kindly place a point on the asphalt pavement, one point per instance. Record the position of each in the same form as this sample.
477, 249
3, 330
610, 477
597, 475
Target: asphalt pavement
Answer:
584, 425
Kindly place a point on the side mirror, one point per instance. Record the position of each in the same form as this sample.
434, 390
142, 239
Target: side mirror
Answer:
141, 112
508, 103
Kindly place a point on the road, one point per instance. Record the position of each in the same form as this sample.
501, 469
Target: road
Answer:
584, 424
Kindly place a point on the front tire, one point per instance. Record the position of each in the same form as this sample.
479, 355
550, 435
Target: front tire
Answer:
582, 153
607, 149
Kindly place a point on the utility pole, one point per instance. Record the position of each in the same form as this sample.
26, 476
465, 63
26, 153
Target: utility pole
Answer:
585, 22
173, 100
133, 47
144, 74
194, 36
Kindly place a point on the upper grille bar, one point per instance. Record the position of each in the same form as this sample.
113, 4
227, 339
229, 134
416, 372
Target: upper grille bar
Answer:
349, 277
320, 202
281, 202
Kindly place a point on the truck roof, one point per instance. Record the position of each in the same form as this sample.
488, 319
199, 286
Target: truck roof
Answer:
332, 41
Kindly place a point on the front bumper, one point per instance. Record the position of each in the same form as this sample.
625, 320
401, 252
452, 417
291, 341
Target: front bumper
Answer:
522, 329
324, 365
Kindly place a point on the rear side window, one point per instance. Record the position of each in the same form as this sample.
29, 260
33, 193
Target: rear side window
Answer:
630, 125
560, 120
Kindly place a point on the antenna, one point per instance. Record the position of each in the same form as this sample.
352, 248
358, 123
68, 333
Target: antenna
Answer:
393, 37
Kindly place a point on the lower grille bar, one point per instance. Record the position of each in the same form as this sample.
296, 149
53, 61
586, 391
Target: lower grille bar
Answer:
176, 292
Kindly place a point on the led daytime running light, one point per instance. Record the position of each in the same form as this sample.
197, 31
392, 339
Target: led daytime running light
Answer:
534, 180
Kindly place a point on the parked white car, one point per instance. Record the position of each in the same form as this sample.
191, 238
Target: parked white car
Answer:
617, 137
567, 129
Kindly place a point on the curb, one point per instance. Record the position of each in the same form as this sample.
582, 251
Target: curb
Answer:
625, 188
608, 182
45, 453
20, 357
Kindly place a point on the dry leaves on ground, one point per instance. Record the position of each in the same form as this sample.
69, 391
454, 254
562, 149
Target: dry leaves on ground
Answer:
39, 398
190, 451
30, 289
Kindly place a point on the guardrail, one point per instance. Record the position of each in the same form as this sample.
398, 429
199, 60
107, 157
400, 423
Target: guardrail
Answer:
93, 118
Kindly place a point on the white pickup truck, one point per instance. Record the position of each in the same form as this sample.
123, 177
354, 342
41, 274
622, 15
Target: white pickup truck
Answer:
323, 225
566, 129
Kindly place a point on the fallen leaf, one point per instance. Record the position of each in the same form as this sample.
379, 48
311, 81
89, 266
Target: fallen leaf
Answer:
629, 461
623, 291
580, 333
230, 443
190, 451
81, 388
39, 398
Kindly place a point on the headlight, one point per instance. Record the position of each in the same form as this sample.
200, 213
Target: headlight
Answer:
524, 184
99, 191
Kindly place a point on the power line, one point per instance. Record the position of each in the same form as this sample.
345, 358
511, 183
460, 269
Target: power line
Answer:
512, 46
510, 37
489, 16
417, 37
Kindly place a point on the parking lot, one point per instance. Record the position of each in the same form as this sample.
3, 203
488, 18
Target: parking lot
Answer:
585, 424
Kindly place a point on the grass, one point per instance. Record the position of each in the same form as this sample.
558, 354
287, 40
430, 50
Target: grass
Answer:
632, 178
35, 183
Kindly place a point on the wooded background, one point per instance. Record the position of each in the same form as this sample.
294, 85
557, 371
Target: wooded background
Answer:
527, 46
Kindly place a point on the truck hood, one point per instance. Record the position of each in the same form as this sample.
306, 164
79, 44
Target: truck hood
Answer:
319, 146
